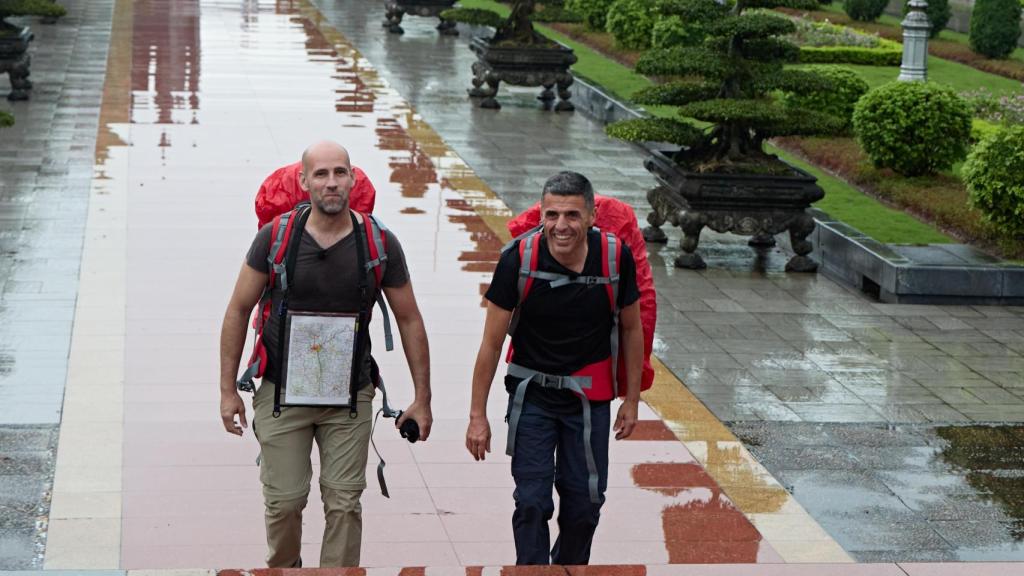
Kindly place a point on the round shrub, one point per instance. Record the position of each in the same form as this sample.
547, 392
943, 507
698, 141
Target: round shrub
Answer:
864, 10
839, 100
672, 31
914, 128
994, 175
631, 22
995, 27
938, 12
593, 12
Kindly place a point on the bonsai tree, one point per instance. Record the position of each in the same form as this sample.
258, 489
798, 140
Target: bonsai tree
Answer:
517, 29
730, 81
45, 8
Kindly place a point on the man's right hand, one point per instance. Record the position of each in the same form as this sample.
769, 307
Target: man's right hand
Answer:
230, 405
478, 437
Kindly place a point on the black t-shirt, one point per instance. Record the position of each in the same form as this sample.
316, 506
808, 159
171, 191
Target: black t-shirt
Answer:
562, 329
325, 281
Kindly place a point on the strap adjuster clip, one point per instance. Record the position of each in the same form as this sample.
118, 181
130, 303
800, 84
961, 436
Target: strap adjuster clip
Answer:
551, 381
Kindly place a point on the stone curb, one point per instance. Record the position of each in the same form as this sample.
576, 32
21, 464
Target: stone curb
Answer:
926, 274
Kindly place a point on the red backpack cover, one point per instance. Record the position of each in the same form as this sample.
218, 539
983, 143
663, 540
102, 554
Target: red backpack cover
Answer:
617, 217
281, 191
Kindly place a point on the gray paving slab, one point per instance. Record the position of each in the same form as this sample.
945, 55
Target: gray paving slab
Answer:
46, 163
902, 492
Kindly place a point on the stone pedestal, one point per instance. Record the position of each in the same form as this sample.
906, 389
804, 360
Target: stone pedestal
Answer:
916, 28
751, 205
15, 60
395, 10
522, 66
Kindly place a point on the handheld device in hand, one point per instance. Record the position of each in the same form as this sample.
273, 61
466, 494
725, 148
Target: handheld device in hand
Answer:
410, 430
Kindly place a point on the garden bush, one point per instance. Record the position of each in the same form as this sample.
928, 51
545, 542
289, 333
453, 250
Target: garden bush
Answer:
593, 12
6, 119
938, 12
915, 128
981, 129
555, 11
672, 31
886, 54
631, 22
827, 43
995, 27
864, 10
994, 175
839, 96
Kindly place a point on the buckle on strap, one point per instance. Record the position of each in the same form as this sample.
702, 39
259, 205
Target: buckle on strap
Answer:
550, 381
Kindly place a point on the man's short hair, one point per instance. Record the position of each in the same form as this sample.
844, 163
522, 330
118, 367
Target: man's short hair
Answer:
570, 184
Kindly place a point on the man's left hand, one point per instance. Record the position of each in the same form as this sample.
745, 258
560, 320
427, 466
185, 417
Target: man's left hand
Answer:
420, 412
625, 422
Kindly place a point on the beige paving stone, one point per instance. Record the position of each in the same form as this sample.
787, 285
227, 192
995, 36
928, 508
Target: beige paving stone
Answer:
85, 505
806, 551
83, 543
87, 478
789, 527
82, 557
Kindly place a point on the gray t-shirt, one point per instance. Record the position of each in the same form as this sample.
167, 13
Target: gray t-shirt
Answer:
324, 281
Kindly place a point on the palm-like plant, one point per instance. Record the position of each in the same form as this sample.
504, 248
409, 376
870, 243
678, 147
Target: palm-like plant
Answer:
729, 81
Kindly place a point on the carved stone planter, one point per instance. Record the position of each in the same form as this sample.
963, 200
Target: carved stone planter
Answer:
15, 60
522, 66
751, 205
395, 10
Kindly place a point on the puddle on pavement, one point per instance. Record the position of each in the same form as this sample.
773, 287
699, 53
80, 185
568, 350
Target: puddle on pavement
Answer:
991, 458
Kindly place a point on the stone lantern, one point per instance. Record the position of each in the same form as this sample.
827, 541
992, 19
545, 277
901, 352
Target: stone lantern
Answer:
915, 43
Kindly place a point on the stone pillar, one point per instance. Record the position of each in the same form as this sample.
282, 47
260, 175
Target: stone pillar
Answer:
915, 43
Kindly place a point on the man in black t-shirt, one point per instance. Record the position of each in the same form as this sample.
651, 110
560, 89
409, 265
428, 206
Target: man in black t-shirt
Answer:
329, 276
561, 378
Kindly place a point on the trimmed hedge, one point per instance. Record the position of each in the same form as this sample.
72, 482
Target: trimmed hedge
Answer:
995, 27
994, 175
864, 10
552, 13
631, 22
672, 31
474, 17
915, 128
593, 12
887, 53
838, 99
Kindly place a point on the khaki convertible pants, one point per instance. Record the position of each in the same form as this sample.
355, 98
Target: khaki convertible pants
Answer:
285, 471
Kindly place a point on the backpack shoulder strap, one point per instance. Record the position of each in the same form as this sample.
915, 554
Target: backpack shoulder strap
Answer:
373, 232
529, 256
377, 242
611, 257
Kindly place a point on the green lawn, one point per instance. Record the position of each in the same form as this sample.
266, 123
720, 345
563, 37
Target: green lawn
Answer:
961, 77
841, 201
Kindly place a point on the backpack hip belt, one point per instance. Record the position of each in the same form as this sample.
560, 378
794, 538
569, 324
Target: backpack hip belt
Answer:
574, 383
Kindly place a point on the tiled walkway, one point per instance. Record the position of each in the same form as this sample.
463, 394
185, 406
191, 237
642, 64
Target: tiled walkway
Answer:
203, 99
773, 355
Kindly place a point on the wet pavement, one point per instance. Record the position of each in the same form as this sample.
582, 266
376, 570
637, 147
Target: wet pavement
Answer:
758, 347
202, 99
904, 492
46, 163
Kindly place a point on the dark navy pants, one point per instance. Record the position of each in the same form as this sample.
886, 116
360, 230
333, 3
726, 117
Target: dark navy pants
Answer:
549, 453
